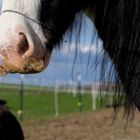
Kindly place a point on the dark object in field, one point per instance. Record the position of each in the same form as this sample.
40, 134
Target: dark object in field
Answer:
10, 128
2, 102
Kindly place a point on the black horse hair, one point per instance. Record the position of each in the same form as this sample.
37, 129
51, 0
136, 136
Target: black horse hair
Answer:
119, 29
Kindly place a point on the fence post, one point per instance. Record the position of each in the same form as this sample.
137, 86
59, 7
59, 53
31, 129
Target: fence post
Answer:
21, 92
56, 106
94, 94
80, 104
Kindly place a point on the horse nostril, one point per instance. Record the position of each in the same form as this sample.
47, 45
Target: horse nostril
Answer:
23, 45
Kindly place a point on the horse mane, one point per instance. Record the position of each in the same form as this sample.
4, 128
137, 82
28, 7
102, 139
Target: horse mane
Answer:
117, 23
118, 26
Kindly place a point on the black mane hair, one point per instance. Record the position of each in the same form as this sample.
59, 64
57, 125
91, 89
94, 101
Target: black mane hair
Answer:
117, 23
119, 27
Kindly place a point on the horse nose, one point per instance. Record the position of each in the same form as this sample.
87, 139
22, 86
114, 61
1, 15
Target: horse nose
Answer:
17, 44
17, 50
21, 53
22, 44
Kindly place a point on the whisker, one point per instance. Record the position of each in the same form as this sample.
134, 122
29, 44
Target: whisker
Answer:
32, 64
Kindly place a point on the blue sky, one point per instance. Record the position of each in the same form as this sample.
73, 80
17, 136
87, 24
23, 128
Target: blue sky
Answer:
62, 66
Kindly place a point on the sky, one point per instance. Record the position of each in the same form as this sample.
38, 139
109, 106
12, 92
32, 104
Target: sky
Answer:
67, 62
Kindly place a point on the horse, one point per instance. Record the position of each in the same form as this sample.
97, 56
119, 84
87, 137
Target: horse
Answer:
31, 29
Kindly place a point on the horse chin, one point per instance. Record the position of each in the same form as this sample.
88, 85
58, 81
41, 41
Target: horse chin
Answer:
28, 66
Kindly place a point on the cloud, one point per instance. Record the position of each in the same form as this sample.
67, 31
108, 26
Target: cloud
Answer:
83, 48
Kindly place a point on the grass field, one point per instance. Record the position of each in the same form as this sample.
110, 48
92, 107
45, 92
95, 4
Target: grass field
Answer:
37, 105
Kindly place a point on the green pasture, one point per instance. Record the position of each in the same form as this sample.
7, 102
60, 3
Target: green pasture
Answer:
39, 103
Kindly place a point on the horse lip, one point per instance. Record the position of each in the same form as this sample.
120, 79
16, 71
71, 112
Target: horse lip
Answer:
29, 70
26, 69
